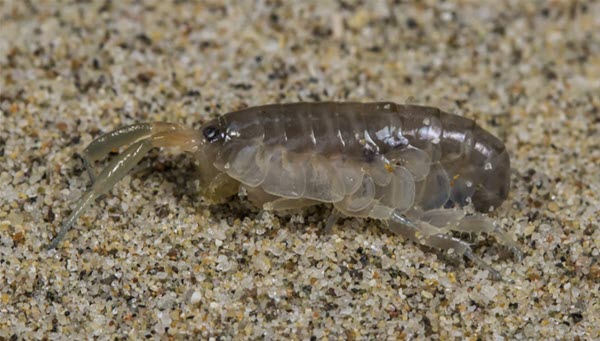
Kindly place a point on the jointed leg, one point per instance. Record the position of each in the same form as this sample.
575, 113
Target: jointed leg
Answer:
460, 248
282, 204
479, 223
332, 219
456, 220
269, 202
258, 197
431, 236
162, 135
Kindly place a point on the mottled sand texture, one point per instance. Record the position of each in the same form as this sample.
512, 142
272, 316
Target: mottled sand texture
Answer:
152, 260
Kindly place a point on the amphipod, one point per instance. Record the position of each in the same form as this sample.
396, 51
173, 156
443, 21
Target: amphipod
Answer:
413, 167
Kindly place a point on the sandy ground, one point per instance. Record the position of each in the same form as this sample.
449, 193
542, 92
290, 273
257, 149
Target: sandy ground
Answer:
152, 260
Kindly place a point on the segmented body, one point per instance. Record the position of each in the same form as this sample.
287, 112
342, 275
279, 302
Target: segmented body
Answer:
361, 155
402, 164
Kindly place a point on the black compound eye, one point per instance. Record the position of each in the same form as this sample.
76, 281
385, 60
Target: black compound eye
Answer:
211, 133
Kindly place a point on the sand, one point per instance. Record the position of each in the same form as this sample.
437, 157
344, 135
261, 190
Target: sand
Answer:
152, 260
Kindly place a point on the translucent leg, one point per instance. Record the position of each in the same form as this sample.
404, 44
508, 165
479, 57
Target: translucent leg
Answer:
478, 224
426, 234
288, 204
456, 220
258, 197
282, 204
332, 219
219, 188
268, 203
113, 172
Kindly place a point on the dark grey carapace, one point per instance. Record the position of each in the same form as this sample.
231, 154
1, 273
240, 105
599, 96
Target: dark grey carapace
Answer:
414, 167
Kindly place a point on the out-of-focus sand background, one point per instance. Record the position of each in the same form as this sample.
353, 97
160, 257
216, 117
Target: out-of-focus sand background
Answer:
151, 260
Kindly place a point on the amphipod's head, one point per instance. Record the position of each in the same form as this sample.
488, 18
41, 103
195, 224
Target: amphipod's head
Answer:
212, 137
211, 140
226, 136
218, 141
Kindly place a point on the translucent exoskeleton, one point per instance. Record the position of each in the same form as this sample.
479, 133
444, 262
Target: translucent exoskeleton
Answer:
412, 167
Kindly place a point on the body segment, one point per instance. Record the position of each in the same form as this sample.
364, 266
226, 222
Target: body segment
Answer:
446, 154
413, 167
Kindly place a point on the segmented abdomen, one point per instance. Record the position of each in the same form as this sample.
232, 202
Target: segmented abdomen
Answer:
357, 154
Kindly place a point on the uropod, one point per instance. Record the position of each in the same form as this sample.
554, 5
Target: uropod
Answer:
413, 167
